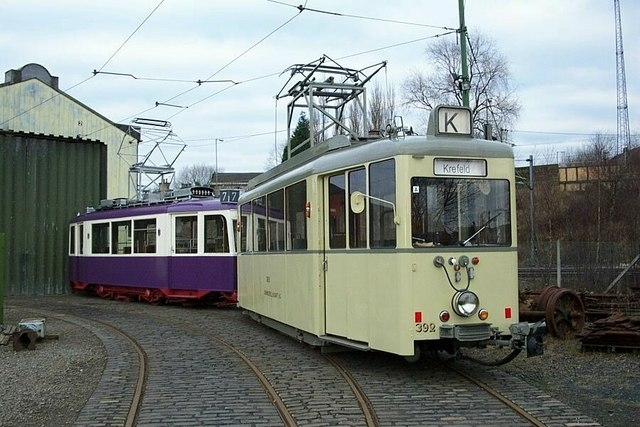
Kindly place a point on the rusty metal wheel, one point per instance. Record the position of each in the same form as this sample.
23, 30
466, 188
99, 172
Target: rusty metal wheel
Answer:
565, 313
546, 293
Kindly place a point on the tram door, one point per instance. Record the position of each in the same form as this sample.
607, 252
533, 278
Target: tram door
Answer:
344, 241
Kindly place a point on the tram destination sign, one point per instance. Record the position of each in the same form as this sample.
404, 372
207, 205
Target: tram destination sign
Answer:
229, 196
459, 167
453, 120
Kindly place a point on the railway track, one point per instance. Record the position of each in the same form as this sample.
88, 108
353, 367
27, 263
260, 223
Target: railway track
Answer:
141, 381
130, 401
218, 366
187, 327
270, 376
368, 411
526, 416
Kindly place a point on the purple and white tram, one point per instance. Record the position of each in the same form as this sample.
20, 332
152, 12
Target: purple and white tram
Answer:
179, 250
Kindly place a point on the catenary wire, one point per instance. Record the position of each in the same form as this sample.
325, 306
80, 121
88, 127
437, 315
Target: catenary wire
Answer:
208, 78
237, 57
88, 78
131, 35
392, 21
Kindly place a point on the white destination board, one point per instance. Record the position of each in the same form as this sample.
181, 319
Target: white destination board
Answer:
454, 120
460, 167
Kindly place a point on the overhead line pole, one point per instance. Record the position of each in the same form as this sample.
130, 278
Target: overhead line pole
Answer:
465, 85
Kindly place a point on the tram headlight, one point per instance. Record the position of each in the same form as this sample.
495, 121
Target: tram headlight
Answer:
465, 303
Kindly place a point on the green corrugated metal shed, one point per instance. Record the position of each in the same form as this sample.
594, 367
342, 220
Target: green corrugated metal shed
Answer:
44, 182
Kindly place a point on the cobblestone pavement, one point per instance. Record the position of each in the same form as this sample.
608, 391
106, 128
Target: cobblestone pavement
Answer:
194, 380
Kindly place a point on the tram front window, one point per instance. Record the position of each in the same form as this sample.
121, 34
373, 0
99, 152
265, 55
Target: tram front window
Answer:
460, 212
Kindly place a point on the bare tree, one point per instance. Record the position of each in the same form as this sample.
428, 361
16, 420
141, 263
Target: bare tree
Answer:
198, 174
355, 118
492, 99
381, 107
601, 147
275, 155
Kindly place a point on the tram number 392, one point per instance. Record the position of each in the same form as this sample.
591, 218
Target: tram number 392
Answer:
425, 327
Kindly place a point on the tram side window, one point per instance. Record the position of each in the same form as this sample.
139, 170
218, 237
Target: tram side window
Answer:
72, 240
216, 239
296, 196
275, 214
258, 207
357, 221
121, 237
100, 238
81, 239
382, 185
245, 217
337, 212
144, 236
186, 235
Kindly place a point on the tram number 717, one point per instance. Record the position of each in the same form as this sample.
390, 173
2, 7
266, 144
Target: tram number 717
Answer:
229, 196
425, 327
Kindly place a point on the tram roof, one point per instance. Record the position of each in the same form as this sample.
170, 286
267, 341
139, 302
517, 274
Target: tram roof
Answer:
175, 206
340, 152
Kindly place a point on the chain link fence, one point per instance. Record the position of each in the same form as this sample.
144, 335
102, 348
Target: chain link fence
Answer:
584, 266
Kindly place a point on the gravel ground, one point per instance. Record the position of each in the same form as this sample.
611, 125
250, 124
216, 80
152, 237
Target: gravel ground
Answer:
50, 385
603, 385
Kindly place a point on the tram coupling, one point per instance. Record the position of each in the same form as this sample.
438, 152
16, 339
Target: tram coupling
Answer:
525, 335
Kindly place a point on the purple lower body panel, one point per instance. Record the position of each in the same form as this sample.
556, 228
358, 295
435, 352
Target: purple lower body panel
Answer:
207, 273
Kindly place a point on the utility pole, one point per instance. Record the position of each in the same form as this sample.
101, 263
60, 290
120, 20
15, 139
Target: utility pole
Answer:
532, 217
465, 84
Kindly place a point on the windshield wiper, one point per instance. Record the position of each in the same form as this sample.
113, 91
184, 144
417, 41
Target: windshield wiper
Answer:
481, 228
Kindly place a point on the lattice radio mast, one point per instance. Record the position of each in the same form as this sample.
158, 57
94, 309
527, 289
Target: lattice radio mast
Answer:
623, 138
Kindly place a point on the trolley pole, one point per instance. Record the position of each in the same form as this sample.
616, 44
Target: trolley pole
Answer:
465, 85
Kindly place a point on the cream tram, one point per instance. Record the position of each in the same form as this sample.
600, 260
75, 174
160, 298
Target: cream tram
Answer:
398, 245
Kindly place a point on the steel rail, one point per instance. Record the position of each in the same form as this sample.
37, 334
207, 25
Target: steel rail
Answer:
136, 400
369, 413
496, 394
281, 407
284, 412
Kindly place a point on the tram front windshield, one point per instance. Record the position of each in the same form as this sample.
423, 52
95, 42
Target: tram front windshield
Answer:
460, 212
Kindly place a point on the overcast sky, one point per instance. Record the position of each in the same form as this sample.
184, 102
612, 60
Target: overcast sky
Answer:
561, 54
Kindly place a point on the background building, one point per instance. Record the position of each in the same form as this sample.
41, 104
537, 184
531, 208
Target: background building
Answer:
57, 156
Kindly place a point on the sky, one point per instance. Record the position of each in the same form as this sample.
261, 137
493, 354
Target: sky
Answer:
561, 56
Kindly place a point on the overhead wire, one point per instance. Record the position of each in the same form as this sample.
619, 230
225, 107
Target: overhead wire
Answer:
346, 15
209, 79
167, 101
396, 45
278, 73
236, 58
300, 8
91, 76
131, 35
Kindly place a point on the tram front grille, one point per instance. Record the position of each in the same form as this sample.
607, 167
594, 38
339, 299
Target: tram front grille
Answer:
475, 332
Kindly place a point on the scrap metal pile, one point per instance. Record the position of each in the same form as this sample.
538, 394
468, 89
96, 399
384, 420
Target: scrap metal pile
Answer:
24, 335
613, 319
614, 333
